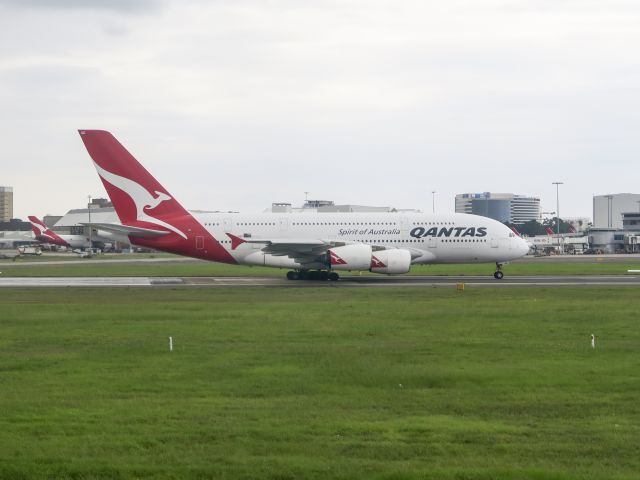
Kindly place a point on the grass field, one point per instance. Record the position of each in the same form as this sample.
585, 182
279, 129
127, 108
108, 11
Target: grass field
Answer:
31, 267
330, 383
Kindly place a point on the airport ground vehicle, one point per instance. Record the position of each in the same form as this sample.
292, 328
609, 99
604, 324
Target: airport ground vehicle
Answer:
29, 250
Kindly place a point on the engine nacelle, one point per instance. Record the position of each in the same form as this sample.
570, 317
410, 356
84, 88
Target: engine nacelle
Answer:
350, 257
392, 262
264, 259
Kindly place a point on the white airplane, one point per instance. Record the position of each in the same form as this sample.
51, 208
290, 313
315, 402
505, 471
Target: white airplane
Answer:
313, 246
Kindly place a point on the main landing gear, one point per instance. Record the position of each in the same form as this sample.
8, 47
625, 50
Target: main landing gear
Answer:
322, 275
498, 273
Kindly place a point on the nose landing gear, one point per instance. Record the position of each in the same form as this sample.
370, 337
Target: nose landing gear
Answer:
498, 273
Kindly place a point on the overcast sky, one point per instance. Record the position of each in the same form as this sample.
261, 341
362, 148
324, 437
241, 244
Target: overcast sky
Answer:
236, 104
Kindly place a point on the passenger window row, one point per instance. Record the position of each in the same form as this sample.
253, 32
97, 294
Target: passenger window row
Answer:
344, 223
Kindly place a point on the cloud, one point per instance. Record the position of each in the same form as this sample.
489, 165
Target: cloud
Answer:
123, 6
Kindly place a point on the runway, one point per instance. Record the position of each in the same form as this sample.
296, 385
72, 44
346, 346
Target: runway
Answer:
345, 281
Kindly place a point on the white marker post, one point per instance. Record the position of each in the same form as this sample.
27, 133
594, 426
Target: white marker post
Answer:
593, 341
171, 344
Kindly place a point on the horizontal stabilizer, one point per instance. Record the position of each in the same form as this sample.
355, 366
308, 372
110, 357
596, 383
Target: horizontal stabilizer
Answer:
128, 230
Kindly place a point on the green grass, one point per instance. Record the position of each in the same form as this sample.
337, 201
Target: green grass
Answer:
320, 383
160, 269
105, 267
58, 256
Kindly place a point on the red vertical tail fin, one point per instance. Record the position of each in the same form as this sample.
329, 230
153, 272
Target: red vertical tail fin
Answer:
137, 196
37, 226
141, 201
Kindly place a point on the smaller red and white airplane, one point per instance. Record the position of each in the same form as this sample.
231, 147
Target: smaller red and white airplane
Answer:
45, 235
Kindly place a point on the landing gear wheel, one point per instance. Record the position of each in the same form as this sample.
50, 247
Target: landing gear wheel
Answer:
292, 275
498, 275
333, 276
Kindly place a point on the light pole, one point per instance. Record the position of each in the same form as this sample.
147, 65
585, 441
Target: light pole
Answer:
433, 201
557, 184
90, 228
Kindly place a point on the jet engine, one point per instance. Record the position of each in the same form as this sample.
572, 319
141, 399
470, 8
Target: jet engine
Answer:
393, 262
349, 257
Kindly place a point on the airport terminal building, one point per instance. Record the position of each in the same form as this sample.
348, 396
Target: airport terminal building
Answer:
616, 223
504, 207
328, 206
608, 209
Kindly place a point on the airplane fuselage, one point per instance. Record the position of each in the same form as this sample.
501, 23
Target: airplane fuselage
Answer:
445, 238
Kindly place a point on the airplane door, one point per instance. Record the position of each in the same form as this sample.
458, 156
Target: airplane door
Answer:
199, 242
432, 242
494, 242
404, 225
284, 224
227, 223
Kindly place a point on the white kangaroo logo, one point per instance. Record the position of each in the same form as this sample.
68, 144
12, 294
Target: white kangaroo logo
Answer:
42, 229
140, 196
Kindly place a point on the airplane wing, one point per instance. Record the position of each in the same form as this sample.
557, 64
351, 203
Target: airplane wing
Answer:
296, 249
281, 246
127, 230
301, 250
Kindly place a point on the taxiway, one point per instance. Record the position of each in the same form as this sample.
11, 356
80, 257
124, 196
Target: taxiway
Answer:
345, 281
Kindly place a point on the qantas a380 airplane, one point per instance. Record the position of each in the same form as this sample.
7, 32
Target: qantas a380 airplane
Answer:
313, 246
